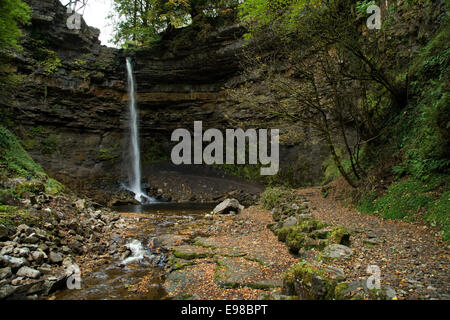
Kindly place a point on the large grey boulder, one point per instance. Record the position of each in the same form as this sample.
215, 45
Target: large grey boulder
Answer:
337, 251
13, 262
227, 206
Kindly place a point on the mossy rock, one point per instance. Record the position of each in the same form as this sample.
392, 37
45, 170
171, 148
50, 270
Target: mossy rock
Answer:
12, 216
322, 233
283, 233
33, 187
339, 235
309, 282
192, 252
299, 240
311, 225
179, 264
340, 291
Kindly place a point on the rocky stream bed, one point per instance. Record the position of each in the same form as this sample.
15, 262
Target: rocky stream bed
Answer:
183, 251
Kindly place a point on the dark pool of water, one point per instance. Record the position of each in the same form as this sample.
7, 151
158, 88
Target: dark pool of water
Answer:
167, 207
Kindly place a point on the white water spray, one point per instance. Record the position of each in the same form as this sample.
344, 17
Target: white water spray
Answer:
138, 253
135, 172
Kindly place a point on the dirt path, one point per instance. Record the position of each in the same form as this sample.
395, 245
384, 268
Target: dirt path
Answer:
413, 260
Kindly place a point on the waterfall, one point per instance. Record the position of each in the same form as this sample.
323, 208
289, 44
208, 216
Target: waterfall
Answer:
134, 177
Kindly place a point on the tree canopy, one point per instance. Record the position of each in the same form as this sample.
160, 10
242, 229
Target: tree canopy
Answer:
141, 21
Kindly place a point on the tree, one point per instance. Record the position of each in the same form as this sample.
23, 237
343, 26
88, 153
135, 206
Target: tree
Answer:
142, 21
338, 79
12, 13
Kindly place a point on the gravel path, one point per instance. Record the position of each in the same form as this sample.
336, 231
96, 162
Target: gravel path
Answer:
412, 258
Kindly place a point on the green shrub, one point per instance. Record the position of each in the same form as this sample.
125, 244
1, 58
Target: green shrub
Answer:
273, 196
15, 158
409, 198
439, 214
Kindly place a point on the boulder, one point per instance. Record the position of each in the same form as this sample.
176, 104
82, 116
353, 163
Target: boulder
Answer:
5, 273
55, 257
227, 206
21, 252
23, 228
337, 251
31, 239
80, 204
28, 273
7, 250
6, 291
38, 256
289, 222
13, 262
309, 282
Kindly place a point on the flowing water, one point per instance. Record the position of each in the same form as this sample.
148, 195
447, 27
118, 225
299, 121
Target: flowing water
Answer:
135, 155
118, 279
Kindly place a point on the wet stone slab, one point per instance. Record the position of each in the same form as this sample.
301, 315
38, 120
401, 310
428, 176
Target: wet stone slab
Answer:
234, 272
188, 252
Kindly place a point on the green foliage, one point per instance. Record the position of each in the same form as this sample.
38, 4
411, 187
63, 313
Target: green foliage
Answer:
361, 6
412, 199
47, 61
53, 186
15, 162
141, 22
12, 216
273, 196
12, 14
79, 68
438, 214
15, 158
106, 155
427, 144
248, 172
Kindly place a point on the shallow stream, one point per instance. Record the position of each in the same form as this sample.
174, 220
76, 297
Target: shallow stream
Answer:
121, 278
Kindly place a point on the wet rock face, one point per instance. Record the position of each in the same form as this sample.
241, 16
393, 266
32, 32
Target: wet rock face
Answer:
73, 118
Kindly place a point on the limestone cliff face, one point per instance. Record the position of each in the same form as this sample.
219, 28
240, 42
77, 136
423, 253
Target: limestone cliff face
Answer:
70, 108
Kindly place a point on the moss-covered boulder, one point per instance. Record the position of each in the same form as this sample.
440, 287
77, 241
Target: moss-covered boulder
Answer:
30, 187
301, 237
339, 235
309, 282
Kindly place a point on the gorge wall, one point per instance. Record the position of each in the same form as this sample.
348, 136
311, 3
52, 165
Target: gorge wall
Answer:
68, 106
